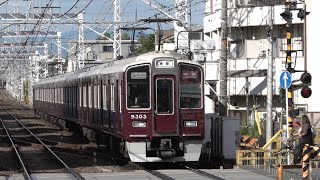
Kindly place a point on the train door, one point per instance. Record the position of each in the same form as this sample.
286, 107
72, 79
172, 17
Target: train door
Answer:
165, 109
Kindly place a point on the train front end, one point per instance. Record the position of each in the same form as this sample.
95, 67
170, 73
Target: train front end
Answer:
164, 114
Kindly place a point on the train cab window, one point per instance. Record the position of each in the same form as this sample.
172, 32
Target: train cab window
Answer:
138, 87
190, 86
164, 96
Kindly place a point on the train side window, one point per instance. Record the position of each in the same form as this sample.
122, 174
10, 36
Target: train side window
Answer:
84, 96
80, 96
62, 95
104, 97
99, 96
55, 95
95, 98
89, 97
58, 95
70, 95
112, 96
52, 97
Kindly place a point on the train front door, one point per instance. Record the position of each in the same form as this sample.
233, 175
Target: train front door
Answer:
165, 108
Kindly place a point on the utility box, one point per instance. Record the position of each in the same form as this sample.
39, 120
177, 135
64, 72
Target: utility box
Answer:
221, 137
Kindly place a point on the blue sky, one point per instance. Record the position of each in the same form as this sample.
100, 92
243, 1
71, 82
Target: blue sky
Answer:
99, 11
102, 10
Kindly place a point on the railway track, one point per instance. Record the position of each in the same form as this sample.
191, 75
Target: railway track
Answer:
76, 150
51, 147
24, 165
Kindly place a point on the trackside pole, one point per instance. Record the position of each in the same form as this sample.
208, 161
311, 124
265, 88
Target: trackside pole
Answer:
279, 172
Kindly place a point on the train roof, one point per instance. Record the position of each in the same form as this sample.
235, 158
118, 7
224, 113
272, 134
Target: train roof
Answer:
113, 66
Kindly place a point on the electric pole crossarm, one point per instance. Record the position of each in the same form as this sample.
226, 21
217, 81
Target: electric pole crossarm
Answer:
27, 33
98, 33
34, 17
160, 10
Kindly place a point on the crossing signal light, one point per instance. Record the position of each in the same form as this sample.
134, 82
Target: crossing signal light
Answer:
286, 15
306, 92
306, 80
302, 14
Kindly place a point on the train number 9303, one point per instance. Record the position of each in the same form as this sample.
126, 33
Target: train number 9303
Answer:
138, 116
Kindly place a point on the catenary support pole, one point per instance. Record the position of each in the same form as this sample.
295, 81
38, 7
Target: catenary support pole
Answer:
269, 75
288, 5
223, 59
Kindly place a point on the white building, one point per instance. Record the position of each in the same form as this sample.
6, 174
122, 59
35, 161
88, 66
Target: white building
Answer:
248, 49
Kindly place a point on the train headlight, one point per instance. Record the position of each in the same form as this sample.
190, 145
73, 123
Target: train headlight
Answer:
139, 124
190, 123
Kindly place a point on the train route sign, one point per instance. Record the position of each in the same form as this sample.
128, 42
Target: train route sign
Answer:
285, 80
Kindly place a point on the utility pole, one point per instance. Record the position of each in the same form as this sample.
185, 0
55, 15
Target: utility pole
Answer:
80, 50
288, 17
269, 75
305, 36
223, 59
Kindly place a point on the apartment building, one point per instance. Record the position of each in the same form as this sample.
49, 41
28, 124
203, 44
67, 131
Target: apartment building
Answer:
249, 51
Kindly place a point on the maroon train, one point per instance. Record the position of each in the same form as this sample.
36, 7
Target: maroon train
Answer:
150, 107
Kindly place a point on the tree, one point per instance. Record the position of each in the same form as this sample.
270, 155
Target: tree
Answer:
125, 36
107, 34
146, 42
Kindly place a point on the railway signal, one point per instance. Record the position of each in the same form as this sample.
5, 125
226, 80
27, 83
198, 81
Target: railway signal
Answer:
302, 14
286, 15
306, 80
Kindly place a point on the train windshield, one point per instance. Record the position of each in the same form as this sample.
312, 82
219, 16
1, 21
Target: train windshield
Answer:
138, 87
190, 86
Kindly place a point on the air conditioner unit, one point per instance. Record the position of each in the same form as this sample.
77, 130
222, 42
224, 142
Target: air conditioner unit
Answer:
240, 3
302, 110
246, 3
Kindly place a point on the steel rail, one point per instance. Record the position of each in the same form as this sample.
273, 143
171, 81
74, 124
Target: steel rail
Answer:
26, 173
75, 174
159, 174
203, 173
